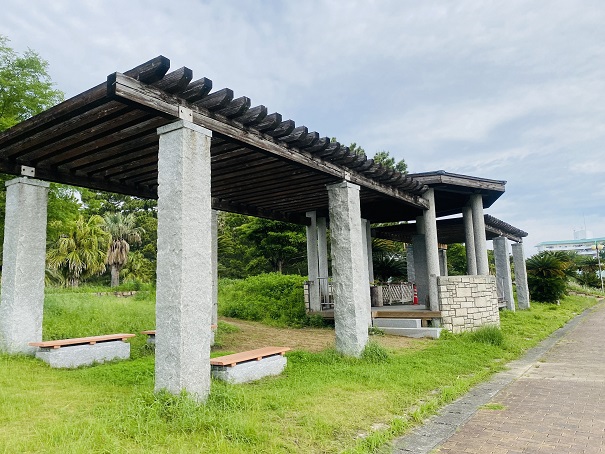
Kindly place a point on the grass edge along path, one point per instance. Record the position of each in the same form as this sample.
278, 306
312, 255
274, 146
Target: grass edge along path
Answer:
322, 403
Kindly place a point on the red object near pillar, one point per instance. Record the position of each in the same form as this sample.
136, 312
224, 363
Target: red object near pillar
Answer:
415, 294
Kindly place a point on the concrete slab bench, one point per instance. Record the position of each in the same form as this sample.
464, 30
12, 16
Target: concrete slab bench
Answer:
83, 351
151, 335
249, 366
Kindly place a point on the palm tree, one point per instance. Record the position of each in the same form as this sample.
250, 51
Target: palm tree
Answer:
81, 252
123, 231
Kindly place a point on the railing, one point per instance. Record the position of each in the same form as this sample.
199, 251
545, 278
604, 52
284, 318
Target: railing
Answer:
399, 293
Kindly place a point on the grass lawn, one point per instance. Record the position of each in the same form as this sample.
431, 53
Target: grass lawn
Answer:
322, 403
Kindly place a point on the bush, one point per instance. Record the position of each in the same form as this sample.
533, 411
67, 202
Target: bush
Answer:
273, 298
547, 274
489, 335
546, 289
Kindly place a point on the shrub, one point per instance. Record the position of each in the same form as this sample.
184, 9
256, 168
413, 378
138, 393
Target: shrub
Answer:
489, 335
374, 353
547, 276
272, 298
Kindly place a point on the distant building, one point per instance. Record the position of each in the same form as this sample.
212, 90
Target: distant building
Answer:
582, 244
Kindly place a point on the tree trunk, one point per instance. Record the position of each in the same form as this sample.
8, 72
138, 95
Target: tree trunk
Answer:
115, 276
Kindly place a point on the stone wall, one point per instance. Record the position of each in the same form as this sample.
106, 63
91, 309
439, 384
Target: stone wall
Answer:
468, 302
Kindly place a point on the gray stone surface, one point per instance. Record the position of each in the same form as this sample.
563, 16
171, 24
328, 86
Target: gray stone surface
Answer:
184, 261
469, 241
479, 231
520, 276
351, 289
420, 269
369, 251
433, 333
250, 370
468, 302
443, 262
84, 355
313, 262
397, 323
322, 253
410, 263
214, 227
432, 248
504, 282
24, 255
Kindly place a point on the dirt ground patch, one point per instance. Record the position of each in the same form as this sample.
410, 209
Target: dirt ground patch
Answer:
251, 335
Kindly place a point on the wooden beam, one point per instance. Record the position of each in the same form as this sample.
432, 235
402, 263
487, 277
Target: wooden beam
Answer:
236, 107
215, 101
224, 205
176, 81
297, 134
196, 90
252, 116
270, 122
151, 71
283, 129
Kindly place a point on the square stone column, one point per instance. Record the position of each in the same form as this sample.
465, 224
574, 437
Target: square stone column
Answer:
476, 202
443, 262
432, 249
313, 263
23, 265
214, 227
469, 241
369, 256
184, 302
409, 255
520, 276
504, 283
322, 254
421, 275
352, 314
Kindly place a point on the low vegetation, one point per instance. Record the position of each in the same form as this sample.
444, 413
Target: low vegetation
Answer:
322, 403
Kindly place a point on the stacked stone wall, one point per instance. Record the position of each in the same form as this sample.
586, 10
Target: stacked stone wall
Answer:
468, 302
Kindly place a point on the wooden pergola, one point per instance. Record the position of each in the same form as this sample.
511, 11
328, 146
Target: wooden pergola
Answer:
262, 165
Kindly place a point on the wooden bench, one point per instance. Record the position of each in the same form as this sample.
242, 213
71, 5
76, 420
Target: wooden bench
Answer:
249, 366
81, 351
151, 335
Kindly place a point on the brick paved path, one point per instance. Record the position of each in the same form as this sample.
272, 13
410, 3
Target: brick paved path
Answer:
556, 405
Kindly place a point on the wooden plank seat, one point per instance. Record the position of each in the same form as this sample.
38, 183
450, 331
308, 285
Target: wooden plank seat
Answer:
151, 334
81, 351
250, 365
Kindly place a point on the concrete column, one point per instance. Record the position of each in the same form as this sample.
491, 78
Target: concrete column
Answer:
469, 241
350, 280
214, 232
369, 252
313, 263
322, 253
421, 274
520, 276
184, 292
409, 252
504, 282
443, 262
24, 262
432, 248
479, 233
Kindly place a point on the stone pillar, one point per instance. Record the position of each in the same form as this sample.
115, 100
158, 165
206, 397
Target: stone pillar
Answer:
184, 262
469, 241
421, 273
214, 232
369, 252
352, 314
432, 248
504, 283
322, 250
479, 233
23, 266
313, 263
443, 262
409, 255
520, 276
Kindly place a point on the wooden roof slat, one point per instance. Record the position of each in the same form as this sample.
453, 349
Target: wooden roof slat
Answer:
224, 205
365, 166
236, 107
319, 146
306, 141
150, 71
252, 116
283, 129
270, 121
196, 90
116, 170
176, 81
217, 100
297, 133
269, 182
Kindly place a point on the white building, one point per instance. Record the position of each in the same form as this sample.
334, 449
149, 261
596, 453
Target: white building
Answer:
581, 244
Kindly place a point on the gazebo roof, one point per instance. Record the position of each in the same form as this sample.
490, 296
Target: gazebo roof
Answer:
452, 190
106, 139
451, 231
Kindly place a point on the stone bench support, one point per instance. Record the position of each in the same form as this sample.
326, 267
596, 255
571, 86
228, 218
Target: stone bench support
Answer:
249, 366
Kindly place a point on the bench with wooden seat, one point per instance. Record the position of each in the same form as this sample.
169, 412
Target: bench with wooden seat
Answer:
251, 365
81, 351
151, 335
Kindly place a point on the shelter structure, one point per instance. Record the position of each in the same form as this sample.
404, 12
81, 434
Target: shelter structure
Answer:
152, 133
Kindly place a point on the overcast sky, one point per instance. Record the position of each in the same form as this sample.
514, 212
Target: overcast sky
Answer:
508, 90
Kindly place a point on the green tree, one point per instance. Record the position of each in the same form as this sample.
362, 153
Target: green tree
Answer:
123, 231
385, 159
25, 86
547, 274
389, 260
456, 259
81, 251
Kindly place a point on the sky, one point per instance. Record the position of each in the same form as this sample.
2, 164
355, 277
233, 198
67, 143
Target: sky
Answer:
507, 90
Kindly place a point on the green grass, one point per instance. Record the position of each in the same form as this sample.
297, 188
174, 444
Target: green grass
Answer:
322, 403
